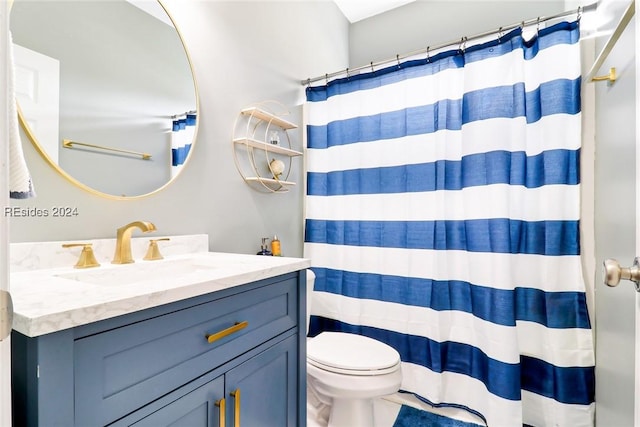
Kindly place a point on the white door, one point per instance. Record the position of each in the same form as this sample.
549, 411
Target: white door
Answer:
5, 354
636, 415
615, 223
37, 89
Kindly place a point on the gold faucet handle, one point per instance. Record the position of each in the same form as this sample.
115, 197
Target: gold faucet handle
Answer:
153, 252
87, 258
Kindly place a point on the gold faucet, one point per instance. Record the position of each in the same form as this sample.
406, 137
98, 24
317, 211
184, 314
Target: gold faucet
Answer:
153, 253
87, 258
123, 241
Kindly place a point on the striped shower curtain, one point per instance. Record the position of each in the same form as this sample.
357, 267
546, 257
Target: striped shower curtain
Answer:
182, 133
442, 218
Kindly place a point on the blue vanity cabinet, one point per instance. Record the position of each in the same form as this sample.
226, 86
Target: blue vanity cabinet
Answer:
171, 364
255, 392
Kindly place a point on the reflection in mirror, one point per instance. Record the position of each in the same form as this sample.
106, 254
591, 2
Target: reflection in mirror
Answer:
105, 74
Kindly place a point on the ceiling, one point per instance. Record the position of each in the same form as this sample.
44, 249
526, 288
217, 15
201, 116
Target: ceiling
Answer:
356, 10
153, 8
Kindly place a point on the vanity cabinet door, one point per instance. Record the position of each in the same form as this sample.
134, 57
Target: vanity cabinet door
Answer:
267, 385
198, 408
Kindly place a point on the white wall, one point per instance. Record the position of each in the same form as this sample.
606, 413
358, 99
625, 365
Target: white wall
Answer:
242, 52
428, 23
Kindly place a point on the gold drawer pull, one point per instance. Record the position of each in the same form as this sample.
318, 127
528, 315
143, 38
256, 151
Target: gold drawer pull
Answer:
219, 335
221, 417
236, 407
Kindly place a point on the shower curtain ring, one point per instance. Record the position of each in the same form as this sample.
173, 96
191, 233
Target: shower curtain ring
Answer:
463, 44
398, 60
428, 55
326, 79
500, 34
579, 13
538, 25
372, 70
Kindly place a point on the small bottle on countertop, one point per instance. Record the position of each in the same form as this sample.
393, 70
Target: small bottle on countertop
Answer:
275, 246
264, 248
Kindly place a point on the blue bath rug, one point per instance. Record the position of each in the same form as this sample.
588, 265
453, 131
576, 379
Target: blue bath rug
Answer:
412, 417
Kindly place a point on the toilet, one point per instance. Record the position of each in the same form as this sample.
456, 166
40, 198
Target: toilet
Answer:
349, 371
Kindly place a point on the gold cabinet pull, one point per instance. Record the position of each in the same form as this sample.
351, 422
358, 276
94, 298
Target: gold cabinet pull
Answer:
221, 417
219, 335
236, 407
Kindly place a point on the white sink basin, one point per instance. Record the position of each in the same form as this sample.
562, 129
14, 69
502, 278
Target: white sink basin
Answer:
141, 271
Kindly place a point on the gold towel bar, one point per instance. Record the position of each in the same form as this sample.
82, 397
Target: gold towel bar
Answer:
67, 143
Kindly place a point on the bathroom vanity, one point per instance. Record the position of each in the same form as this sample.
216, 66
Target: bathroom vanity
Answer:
219, 342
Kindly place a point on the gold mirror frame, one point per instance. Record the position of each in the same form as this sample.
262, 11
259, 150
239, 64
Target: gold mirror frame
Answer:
34, 141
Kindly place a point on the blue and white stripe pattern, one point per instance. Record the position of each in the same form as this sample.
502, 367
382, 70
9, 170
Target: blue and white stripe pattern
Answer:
442, 217
182, 133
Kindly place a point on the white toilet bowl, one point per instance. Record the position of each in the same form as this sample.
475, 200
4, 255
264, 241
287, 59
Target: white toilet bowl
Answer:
350, 371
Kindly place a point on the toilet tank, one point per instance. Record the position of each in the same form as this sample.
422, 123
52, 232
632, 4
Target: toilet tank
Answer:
311, 278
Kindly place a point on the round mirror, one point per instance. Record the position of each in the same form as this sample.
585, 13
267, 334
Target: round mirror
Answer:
105, 90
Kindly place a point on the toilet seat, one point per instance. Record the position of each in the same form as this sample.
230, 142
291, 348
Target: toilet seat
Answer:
351, 354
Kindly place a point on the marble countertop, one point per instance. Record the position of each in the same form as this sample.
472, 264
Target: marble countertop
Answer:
52, 299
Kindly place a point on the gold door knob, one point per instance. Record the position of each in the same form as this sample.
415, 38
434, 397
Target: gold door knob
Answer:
613, 273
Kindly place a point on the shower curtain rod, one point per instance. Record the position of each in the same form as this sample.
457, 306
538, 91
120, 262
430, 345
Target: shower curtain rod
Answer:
460, 42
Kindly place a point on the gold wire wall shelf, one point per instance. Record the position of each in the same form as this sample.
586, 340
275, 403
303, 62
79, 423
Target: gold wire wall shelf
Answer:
262, 147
